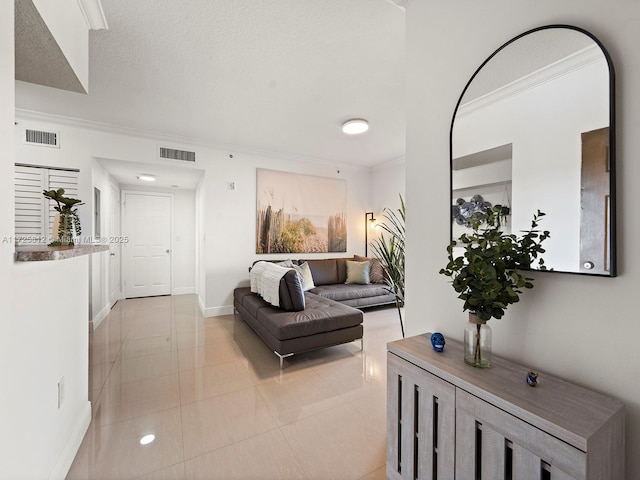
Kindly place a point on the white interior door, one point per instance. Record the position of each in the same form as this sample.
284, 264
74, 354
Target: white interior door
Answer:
147, 254
114, 244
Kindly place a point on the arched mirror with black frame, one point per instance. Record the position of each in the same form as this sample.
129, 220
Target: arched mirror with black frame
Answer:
534, 130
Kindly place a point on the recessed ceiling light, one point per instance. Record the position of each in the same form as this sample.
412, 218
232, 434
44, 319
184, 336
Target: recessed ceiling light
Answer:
147, 177
147, 439
355, 126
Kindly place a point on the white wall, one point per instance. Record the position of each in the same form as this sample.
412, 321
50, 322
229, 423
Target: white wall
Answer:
99, 304
43, 331
582, 328
387, 182
200, 242
8, 403
184, 242
48, 340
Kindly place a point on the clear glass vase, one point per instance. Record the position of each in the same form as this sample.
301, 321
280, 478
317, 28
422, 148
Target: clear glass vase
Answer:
477, 342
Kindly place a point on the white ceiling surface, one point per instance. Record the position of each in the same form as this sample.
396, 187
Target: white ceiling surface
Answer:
271, 76
168, 176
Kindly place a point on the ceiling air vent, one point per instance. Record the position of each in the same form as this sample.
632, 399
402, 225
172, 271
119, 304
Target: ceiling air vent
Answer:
42, 138
174, 154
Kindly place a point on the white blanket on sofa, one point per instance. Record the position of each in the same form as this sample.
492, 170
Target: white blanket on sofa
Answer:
265, 281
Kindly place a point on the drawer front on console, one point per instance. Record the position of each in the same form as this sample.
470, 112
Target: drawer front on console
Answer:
420, 423
492, 444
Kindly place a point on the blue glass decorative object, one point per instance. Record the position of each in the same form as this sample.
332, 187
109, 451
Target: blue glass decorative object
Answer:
438, 341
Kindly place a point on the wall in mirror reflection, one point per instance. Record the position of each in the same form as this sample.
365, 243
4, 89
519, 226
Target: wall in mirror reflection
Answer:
521, 143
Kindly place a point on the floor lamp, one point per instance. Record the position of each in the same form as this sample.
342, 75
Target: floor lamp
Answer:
368, 221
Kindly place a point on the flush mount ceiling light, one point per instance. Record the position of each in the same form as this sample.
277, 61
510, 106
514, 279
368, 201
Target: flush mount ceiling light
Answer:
147, 439
146, 177
355, 126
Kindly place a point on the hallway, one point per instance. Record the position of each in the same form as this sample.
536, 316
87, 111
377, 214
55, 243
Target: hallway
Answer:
212, 395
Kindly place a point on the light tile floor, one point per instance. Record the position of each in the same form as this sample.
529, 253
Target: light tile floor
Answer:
214, 397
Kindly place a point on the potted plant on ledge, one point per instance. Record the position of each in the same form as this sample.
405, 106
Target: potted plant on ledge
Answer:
67, 220
488, 275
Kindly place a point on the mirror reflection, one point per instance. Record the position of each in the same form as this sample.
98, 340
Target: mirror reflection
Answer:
532, 130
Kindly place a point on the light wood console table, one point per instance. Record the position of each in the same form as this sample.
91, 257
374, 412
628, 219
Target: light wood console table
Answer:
447, 420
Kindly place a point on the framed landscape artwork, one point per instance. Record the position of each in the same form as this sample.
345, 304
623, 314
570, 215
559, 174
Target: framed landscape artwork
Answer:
300, 213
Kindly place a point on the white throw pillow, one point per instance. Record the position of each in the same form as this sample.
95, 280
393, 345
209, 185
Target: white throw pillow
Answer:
358, 272
306, 279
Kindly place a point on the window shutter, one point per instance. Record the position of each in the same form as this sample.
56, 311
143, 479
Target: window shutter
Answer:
30, 203
60, 179
34, 213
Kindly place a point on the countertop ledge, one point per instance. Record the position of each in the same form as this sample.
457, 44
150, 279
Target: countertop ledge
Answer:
39, 253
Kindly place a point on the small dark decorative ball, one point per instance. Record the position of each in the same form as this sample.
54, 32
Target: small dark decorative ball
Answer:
438, 341
532, 378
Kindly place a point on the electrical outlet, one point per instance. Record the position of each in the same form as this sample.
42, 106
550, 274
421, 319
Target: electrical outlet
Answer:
60, 392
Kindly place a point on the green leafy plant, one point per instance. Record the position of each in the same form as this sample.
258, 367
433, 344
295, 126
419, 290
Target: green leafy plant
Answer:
69, 220
390, 251
488, 275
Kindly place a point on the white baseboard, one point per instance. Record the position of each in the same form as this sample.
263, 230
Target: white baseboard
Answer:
62, 466
217, 311
102, 314
184, 291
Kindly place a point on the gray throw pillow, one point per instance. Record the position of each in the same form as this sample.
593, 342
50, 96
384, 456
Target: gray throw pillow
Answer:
358, 272
376, 272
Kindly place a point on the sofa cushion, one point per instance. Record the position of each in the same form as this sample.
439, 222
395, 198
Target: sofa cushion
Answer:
341, 263
376, 272
306, 278
343, 292
358, 272
324, 271
290, 292
249, 301
320, 315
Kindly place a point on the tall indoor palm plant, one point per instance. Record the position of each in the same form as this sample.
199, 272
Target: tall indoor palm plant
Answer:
390, 251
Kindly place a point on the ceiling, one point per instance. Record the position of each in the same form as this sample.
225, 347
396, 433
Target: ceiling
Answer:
166, 176
264, 76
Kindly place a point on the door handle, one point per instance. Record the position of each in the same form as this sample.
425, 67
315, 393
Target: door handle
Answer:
112, 254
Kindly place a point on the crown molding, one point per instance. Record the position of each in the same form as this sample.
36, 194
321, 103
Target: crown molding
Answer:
93, 14
174, 140
401, 4
564, 66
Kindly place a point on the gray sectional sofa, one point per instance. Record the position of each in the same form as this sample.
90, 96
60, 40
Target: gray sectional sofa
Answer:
330, 275
323, 316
